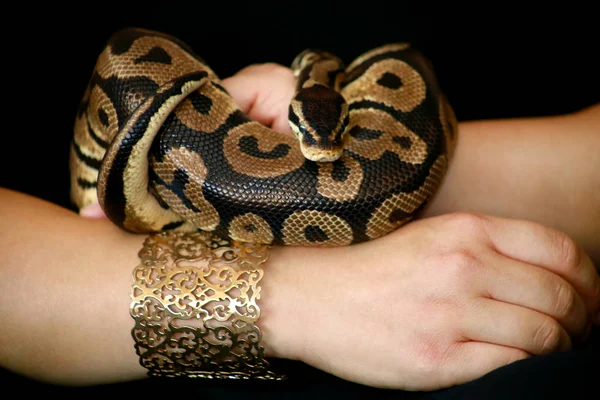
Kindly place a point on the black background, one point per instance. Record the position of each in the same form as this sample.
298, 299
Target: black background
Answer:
491, 63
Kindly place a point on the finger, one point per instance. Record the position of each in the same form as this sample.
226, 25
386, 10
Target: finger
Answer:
538, 289
474, 359
548, 248
93, 211
510, 325
264, 92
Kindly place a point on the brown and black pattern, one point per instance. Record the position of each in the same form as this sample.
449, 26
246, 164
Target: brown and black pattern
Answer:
161, 145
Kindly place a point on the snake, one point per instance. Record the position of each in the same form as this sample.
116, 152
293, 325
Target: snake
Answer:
161, 145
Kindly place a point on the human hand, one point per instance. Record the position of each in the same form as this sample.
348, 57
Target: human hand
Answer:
440, 302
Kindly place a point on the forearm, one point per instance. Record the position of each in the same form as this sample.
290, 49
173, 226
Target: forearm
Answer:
541, 169
65, 283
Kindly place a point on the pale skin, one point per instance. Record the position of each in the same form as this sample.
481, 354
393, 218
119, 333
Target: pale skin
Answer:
494, 289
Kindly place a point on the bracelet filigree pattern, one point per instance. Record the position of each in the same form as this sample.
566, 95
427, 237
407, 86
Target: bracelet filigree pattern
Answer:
194, 302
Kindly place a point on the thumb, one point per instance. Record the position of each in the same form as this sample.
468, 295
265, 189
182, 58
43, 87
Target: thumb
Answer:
264, 92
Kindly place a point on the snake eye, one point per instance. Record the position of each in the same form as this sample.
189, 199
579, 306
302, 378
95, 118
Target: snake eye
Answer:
302, 129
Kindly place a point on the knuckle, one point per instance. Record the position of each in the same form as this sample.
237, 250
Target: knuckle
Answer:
547, 336
567, 250
461, 263
565, 300
466, 222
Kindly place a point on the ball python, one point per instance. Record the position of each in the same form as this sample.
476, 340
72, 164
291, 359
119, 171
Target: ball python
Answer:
161, 145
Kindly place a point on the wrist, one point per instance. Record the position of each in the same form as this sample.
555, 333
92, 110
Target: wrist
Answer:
294, 287
280, 320
298, 291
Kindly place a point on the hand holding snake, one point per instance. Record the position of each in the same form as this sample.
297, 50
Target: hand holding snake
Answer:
490, 273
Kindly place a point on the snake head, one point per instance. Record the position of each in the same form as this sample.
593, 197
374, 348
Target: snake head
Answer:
318, 116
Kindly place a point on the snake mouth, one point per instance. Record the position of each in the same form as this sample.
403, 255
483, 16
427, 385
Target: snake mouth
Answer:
322, 155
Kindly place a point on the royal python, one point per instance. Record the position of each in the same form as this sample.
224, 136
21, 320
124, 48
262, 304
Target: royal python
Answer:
161, 145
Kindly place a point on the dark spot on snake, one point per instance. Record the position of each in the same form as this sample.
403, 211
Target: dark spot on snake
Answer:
361, 68
397, 215
346, 121
122, 40
364, 134
390, 81
403, 141
87, 160
180, 179
219, 87
103, 117
340, 172
250, 228
355, 73
101, 142
303, 76
332, 75
85, 184
313, 233
156, 181
201, 103
292, 117
157, 55
249, 145
171, 225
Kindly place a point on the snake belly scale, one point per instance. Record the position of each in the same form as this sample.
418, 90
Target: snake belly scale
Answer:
161, 145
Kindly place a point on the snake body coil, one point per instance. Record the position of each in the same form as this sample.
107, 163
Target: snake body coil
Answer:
162, 146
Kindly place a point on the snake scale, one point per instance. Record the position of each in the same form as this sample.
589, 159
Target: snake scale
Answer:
161, 145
